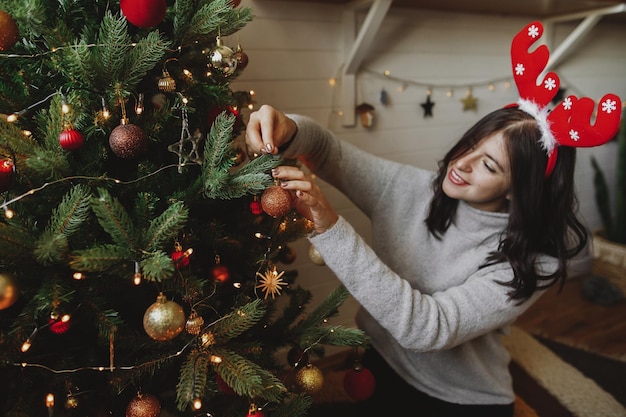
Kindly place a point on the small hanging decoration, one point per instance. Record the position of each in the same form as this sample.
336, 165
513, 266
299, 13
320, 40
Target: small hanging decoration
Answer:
144, 13
166, 83
187, 148
359, 382
7, 174
276, 201
9, 32
194, 323
144, 405
220, 272
254, 411
164, 320
428, 106
366, 112
255, 206
58, 325
270, 282
469, 101
9, 290
315, 256
384, 97
310, 379
222, 59
180, 257
127, 140
71, 139
242, 58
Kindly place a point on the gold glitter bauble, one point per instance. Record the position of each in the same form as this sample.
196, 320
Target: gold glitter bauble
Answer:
143, 406
315, 256
9, 290
164, 320
9, 32
276, 201
310, 379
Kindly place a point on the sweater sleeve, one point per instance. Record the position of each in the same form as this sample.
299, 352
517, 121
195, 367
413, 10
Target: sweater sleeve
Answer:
418, 321
361, 176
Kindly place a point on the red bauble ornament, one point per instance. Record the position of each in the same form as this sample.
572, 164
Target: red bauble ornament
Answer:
180, 258
359, 383
235, 3
221, 273
241, 57
71, 139
144, 13
143, 405
7, 174
276, 201
255, 206
57, 326
128, 141
9, 32
223, 387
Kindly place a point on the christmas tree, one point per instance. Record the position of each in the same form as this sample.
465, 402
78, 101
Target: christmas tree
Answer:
143, 252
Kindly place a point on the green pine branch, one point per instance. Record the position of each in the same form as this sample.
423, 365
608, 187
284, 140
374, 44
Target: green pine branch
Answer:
239, 321
213, 17
166, 226
114, 219
72, 211
192, 380
294, 405
157, 266
247, 378
15, 241
99, 258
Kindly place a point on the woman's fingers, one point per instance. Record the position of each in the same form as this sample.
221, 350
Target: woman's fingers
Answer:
267, 130
310, 200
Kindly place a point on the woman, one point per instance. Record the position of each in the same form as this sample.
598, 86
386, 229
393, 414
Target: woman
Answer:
457, 255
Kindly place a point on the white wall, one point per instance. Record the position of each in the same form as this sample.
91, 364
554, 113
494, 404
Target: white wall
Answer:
295, 48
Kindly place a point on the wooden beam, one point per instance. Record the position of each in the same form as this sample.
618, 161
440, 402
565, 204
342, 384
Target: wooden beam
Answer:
357, 48
590, 19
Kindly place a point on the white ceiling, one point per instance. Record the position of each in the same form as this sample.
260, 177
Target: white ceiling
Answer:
532, 8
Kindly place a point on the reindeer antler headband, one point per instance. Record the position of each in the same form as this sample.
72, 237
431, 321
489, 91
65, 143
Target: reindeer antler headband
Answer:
569, 123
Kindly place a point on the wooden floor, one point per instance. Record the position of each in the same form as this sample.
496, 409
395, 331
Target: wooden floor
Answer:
567, 316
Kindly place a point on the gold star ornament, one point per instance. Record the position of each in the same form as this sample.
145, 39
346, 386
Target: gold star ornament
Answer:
469, 102
270, 282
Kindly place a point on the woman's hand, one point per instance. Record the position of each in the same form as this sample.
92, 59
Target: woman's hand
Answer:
267, 130
310, 201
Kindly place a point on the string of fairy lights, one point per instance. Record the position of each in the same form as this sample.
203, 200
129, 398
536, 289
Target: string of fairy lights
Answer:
203, 336
403, 84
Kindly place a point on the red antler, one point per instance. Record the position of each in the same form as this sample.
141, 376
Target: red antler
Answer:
570, 121
527, 66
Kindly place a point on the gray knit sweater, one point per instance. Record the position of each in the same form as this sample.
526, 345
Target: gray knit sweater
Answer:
430, 310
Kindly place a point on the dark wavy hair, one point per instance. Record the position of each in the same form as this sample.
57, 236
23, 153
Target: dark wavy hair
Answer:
542, 211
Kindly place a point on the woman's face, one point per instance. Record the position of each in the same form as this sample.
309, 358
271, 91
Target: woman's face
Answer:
482, 176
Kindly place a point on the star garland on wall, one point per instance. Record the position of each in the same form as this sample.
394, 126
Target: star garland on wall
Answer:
428, 107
